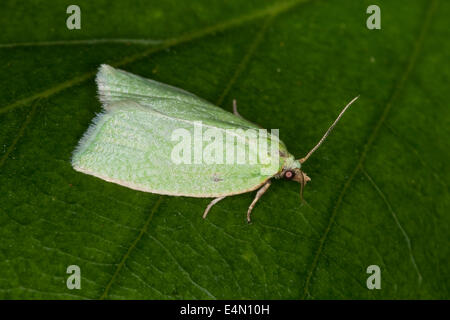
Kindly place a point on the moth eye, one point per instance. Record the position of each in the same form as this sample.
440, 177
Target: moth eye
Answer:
289, 175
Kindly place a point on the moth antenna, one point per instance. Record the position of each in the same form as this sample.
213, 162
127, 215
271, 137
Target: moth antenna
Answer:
302, 160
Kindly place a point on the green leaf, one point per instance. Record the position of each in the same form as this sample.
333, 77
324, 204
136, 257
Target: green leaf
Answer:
379, 191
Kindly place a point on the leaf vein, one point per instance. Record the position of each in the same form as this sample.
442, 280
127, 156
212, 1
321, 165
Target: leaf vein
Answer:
183, 270
220, 27
397, 89
397, 222
130, 249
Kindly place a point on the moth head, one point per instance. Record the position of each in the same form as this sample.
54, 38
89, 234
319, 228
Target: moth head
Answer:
296, 174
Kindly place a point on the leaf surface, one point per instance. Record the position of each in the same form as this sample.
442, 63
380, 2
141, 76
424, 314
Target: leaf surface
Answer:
379, 190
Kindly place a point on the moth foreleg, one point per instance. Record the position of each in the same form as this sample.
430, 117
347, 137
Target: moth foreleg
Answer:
210, 205
259, 194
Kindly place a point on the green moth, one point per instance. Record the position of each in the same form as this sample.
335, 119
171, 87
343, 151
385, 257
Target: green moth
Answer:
146, 127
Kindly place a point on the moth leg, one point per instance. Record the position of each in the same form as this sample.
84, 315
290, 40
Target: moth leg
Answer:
259, 194
210, 205
236, 113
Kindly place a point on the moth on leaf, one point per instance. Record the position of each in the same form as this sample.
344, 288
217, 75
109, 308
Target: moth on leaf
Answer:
132, 143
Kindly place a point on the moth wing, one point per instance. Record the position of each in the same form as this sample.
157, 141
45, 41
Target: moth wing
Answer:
118, 85
131, 144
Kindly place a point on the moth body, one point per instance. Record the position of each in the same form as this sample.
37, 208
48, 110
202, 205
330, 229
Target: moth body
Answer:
149, 137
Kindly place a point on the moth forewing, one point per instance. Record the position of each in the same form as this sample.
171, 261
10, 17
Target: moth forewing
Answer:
131, 142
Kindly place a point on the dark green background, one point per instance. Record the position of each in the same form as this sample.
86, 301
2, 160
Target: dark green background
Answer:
379, 190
